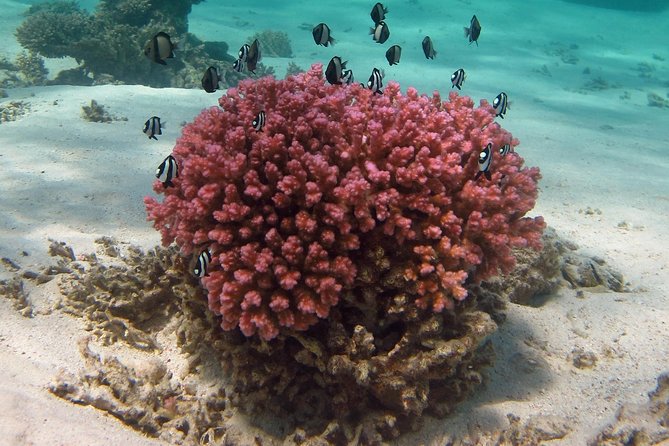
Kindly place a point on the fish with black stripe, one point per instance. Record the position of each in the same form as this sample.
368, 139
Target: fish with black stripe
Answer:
428, 48
458, 78
393, 54
211, 79
474, 30
378, 13
253, 56
322, 35
347, 77
202, 264
505, 149
335, 71
159, 48
380, 32
375, 82
259, 121
485, 161
153, 127
500, 104
167, 171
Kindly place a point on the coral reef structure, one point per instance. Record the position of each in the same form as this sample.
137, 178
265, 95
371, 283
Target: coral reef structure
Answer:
292, 214
274, 43
108, 44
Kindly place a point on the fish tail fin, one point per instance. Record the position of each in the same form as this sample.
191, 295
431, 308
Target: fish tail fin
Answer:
372, 30
488, 176
331, 40
466, 32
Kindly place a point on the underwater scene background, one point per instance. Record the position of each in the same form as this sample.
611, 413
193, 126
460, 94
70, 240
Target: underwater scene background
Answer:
213, 232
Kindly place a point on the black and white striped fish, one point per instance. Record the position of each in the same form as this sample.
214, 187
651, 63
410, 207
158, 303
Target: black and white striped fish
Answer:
202, 263
346, 77
378, 13
375, 82
428, 48
485, 160
500, 104
322, 36
335, 70
210, 80
380, 32
474, 30
506, 148
393, 54
243, 52
239, 65
167, 171
458, 78
259, 121
159, 48
153, 127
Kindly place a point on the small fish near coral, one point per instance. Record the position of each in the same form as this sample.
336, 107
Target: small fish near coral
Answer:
473, 31
153, 127
210, 80
335, 71
322, 36
428, 48
500, 104
347, 77
458, 78
393, 54
259, 121
167, 171
202, 264
375, 82
249, 56
505, 149
159, 48
253, 56
485, 161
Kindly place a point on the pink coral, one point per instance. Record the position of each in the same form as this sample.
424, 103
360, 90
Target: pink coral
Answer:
284, 211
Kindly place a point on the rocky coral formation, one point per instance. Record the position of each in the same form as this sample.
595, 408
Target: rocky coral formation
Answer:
289, 213
274, 43
559, 263
13, 110
31, 68
109, 43
96, 112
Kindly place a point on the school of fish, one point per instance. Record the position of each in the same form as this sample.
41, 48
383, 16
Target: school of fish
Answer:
160, 47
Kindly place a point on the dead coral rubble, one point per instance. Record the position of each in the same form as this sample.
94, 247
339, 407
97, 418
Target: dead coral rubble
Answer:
559, 263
